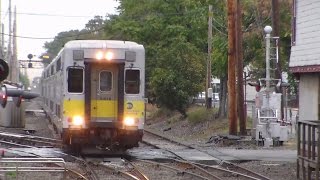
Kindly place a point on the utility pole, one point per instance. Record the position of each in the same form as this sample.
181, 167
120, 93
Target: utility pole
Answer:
276, 30
1, 37
232, 105
208, 81
15, 67
9, 51
240, 98
2, 40
276, 33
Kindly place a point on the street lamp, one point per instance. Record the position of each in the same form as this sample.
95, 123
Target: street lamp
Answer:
267, 30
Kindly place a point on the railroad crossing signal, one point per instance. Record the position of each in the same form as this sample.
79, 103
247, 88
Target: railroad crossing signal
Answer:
4, 70
3, 96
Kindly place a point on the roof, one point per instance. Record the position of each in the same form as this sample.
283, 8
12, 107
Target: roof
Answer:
78, 44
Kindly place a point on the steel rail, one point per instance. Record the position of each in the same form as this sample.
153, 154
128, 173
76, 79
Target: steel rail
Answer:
224, 164
135, 170
89, 171
33, 139
174, 169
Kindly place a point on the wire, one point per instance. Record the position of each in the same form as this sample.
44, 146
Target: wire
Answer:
29, 37
44, 14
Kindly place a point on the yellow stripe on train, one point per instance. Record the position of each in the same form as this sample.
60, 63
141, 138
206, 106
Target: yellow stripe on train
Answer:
103, 108
134, 109
73, 107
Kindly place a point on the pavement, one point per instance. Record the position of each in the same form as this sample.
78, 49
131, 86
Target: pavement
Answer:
216, 156
254, 155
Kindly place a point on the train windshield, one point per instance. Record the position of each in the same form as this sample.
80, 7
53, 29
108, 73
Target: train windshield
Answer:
105, 81
132, 81
75, 80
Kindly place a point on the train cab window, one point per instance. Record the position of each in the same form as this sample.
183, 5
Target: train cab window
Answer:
132, 82
105, 81
75, 80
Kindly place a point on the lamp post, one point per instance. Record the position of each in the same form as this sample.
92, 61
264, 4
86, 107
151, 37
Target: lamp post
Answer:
268, 30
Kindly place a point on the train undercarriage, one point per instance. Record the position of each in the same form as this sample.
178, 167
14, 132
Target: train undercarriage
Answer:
103, 139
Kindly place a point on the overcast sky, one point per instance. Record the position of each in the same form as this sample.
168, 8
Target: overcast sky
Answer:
46, 18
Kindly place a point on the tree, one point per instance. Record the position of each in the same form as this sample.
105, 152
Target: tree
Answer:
174, 35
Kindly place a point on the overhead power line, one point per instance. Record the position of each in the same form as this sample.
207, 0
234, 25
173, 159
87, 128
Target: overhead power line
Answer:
52, 15
29, 37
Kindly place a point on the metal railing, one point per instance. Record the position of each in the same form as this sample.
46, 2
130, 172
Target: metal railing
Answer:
19, 165
308, 149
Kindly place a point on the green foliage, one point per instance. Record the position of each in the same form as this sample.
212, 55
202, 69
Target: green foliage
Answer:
93, 30
174, 34
11, 175
201, 115
24, 80
161, 112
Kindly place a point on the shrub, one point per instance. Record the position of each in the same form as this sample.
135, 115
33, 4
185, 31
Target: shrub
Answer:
200, 115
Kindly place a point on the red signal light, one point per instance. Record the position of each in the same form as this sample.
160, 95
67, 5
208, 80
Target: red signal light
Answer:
3, 97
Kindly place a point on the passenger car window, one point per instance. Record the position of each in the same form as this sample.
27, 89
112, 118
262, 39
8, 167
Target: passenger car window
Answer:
75, 80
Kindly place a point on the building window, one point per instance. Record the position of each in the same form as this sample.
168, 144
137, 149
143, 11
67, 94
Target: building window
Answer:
132, 82
105, 81
75, 80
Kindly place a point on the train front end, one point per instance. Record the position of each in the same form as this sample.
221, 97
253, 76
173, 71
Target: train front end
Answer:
104, 103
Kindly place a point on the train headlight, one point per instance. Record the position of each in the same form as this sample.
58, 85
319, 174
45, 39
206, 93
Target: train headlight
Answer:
77, 120
129, 121
99, 55
109, 56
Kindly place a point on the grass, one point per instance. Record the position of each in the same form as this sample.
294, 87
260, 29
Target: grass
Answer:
196, 114
11, 175
200, 114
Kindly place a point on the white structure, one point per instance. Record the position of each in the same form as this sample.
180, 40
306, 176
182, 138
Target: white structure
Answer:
305, 56
269, 126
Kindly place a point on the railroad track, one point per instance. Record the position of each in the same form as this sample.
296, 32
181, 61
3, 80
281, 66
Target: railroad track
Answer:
29, 140
17, 140
223, 169
124, 168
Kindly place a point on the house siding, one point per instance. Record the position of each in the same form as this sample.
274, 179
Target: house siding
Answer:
306, 51
308, 96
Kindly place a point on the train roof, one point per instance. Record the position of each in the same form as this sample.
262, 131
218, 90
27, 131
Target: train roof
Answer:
113, 44
97, 44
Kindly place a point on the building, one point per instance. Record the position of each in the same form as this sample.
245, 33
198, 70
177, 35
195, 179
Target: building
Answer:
305, 64
305, 56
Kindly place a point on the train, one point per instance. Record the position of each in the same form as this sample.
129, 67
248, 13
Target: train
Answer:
94, 90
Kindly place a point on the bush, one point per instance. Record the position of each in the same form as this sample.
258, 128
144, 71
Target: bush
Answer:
161, 112
200, 115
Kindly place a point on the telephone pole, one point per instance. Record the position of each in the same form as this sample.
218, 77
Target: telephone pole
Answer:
208, 81
276, 33
232, 105
240, 95
15, 67
1, 37
9, 51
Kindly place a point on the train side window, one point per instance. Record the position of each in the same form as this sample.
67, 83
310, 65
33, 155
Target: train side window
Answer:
52, 70
105, 81
58, 66
132, 81
75, 80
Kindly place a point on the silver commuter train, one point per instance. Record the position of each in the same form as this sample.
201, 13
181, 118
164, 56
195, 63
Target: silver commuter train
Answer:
95, 92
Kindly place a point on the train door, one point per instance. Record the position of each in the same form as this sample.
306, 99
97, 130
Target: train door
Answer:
104, 94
